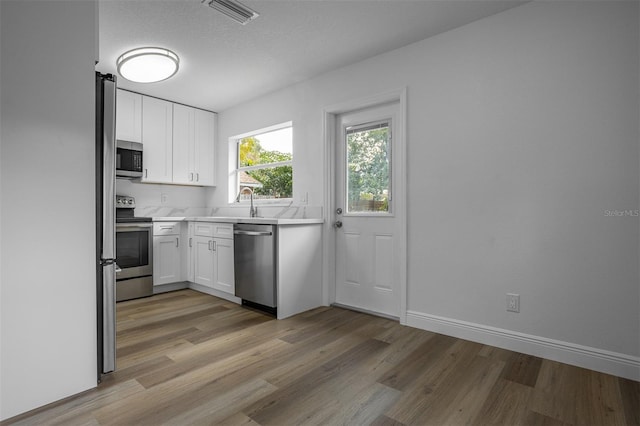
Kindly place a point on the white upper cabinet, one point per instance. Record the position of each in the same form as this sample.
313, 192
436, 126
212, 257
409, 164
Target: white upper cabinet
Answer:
177, 140
157, 140
129, 116
193, 146
183, 141
203, 152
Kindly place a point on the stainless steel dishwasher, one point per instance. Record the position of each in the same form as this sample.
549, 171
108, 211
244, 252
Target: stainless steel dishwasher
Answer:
255, 265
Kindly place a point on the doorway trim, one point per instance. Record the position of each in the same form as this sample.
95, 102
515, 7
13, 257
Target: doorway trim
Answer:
329, 115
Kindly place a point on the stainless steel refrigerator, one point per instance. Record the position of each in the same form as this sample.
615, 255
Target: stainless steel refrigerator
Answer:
105, 221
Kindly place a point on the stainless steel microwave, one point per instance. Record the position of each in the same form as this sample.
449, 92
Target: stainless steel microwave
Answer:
128, 159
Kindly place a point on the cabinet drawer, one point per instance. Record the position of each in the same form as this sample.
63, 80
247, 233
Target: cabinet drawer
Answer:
166, 228
217, 230
203, 229
223, 230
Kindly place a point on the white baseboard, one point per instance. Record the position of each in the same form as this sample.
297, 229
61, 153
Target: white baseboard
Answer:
213, 292
164, 288
614, 363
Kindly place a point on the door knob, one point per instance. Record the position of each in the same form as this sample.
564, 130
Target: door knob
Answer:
339, 210
338, 224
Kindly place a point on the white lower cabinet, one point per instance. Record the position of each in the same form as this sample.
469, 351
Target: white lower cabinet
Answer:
202, 253
203, 261
167, 253
210, 256
223, 265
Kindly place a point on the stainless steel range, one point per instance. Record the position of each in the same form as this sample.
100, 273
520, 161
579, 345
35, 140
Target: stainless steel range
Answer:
134, 251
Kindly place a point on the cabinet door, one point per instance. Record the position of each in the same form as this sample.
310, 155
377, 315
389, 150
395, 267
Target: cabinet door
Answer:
190, 254
204, 143
223, 268
157, 137
203, 261
183, 142
128, 116
166, 259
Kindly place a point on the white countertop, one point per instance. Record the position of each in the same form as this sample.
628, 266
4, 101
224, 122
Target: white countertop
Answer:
227, 219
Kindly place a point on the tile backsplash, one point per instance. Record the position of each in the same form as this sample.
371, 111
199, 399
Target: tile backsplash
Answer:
171, 211
155, 200
281, 212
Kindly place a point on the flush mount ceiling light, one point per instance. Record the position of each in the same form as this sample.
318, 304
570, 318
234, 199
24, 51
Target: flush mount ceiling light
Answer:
234, 10
148, 64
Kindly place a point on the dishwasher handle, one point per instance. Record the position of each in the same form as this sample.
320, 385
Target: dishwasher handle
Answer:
253, 233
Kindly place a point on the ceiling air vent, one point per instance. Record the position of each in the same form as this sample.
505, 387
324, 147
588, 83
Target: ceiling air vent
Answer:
233, 9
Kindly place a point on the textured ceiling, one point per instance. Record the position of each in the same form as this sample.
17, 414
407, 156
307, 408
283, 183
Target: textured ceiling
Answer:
224, 63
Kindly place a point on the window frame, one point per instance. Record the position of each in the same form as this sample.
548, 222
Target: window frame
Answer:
236, 169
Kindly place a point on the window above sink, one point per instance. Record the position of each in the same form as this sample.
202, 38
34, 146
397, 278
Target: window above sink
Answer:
263, 165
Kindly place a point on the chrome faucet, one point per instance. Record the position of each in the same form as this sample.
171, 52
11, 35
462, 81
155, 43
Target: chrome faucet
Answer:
253, 211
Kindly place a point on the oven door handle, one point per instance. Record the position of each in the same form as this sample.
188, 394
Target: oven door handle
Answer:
131, 226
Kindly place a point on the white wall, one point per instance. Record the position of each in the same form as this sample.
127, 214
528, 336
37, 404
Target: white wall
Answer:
300, 104
48, 313
522, 132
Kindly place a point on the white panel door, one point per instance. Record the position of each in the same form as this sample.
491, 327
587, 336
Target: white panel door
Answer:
157, 140
367, 266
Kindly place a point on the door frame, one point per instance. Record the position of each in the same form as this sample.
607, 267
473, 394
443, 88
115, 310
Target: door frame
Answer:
329, 118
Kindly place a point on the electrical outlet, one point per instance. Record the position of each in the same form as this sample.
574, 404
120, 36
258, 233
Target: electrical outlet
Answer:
513, 302
163, 198
304, 199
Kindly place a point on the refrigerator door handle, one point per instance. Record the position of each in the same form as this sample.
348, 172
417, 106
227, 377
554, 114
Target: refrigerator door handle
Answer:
109, 171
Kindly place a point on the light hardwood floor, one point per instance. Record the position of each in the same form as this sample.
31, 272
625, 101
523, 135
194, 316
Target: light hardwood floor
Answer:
189, 358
